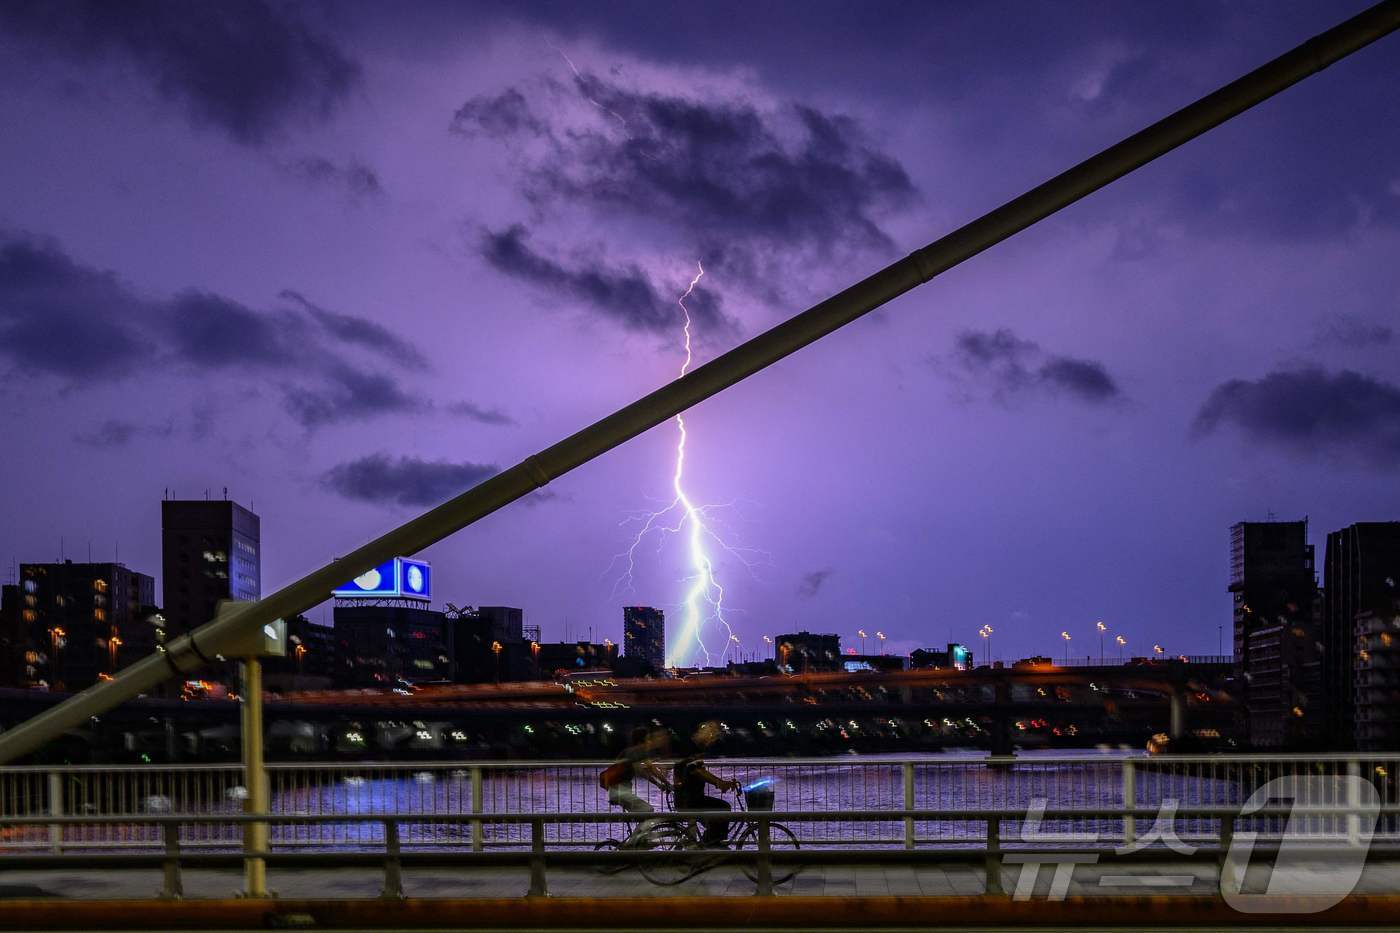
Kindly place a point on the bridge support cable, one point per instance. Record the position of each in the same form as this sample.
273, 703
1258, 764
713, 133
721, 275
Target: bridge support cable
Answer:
725, 370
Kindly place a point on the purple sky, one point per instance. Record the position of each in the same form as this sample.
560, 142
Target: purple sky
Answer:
348, 259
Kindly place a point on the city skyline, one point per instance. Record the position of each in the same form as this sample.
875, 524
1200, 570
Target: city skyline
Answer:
332, 306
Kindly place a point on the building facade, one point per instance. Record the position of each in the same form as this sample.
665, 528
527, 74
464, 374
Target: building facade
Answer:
1277, 610
390, 645
644, 638
13, 644
310, 661
487, 645
1358, 563
210, 551
569, 656
1377, 676
83, 622
800, 652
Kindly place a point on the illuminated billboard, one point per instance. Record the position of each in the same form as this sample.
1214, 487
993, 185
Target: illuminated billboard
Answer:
400, 578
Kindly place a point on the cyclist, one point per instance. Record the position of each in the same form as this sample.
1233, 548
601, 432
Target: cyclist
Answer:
637, 759
691, 779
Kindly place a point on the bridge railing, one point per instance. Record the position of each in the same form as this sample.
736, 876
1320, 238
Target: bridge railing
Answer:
453, 790
1008, 837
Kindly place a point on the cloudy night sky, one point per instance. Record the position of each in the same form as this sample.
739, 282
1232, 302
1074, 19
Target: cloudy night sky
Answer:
346, 260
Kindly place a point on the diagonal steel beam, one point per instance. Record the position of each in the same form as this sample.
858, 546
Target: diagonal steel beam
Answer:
188, 652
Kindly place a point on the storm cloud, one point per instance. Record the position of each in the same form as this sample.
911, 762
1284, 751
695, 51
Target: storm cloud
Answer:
412, 481
812, 583
1310, 410
750, 190
354, 177
85, 326
247, 68
1011, 365
623, 294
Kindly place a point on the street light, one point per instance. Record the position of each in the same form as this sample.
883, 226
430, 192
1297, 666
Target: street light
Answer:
861, 633
1121, 642
1102, 628
881, 636
497, 648
768, 640
1157, 650
1065, 636
986, 633
738, 649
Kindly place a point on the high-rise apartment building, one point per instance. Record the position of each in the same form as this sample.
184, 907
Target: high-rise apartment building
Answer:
82, 622
644, 637
1277, 632
1361, 574
210, 551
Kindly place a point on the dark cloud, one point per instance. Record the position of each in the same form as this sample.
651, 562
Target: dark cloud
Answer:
360, 331
749, 190
60, 318
625, 295
349, 395
406, 481
1013, 365
248, 68
813, 582
475, 412
212, 331
355, 177
1310, 410
504, 115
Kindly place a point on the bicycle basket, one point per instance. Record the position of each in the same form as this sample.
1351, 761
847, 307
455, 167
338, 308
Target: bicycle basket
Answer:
759, 794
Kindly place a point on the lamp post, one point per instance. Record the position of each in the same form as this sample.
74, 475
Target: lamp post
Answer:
881, 636
1065, 636
986, 633
496, 649
768, 640
535, 656
1121, 642
738, 648
1157, 650
861, 634
300, 653
1102, 628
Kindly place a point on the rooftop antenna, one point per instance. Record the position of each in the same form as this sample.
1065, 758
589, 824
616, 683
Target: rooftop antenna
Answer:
206, 494
61, 553
225, 493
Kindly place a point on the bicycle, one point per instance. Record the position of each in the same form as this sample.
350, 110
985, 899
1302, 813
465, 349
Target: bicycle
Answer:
664, 834
742, 834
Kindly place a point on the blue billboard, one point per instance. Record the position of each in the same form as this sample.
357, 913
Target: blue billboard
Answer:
415, 579
399, 578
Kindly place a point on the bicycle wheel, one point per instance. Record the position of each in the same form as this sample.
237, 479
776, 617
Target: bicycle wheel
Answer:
780, 839
665, 871
609, 868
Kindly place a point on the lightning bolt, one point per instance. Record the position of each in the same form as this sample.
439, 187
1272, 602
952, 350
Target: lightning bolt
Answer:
702, 608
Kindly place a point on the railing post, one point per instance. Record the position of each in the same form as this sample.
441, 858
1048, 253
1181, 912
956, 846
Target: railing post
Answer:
993, 885
477, 835
539, 886
1354, 802
1129, 801
55, 809
908, 779
255, 835
173, 886
393, 867
1228, 883
765, 861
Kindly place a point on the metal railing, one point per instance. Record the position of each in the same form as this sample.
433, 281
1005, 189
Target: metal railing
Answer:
1008, 837
323, 804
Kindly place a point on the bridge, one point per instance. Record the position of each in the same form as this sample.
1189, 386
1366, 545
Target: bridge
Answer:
1338, 823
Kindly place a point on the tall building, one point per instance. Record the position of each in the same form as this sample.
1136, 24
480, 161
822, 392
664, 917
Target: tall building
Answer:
82, 622
310, 661
1377, 676
210, 551
644, 637
1358, 562
12, 641
1277, 634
